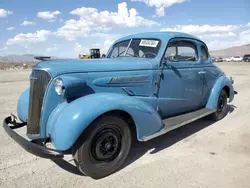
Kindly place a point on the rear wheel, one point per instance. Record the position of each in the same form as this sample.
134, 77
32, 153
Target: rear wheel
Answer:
222, 108
103, 147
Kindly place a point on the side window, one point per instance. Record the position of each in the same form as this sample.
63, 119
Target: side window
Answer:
204, 53
181, 51
120, 50
130, 52
171, 53
187, 51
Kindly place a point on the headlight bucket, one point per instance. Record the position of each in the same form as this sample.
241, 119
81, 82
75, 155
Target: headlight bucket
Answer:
70, 87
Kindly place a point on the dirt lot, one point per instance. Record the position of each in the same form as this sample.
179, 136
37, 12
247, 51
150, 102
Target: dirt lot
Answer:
201, 154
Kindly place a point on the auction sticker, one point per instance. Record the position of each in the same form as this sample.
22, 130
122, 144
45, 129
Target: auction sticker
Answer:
149, 43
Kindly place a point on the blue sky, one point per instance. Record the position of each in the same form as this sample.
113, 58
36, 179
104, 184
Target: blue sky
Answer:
66, 28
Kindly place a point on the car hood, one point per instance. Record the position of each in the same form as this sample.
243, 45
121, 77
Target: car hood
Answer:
58, 67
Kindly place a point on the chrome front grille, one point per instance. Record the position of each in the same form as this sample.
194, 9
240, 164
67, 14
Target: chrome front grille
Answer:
39, 81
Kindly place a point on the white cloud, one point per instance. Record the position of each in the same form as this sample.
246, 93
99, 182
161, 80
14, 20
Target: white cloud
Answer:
10, 28
160, 4
52, 49
196, 29
4, 13
83, 49
248, 25
218, 35
160, 11
80, 49
91, 20
4, 48
106, 36
245, 36
26, 23
227, 40
32, 38
47, 15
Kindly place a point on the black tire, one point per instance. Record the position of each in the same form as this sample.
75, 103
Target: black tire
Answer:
222, 107
103, 147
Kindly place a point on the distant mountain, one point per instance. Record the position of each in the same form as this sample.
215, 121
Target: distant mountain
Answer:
2, 59
25, 58
233, 51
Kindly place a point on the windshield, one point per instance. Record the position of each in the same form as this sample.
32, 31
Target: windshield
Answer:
140, 48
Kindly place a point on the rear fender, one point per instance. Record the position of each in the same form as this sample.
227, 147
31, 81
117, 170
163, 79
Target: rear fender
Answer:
220, 83
69, 120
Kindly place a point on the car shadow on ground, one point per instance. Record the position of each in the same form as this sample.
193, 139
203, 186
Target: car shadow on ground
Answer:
138, 149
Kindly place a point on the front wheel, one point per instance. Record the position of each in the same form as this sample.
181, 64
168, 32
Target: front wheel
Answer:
222, 108
103, 147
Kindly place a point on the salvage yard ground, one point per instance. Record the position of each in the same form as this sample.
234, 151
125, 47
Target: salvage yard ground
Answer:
201, 154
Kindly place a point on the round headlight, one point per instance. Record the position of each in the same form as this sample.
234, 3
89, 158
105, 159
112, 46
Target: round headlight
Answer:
59, 86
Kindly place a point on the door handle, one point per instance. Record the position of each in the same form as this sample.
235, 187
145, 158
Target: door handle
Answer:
202, 72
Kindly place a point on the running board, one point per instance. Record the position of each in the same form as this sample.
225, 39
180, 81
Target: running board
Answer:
178, 121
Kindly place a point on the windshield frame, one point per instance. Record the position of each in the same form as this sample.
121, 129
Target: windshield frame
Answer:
127, 48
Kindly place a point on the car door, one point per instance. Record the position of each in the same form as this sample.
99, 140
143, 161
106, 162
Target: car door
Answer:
181, 89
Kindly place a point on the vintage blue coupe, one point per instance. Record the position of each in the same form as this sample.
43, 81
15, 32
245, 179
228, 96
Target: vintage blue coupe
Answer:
148, 84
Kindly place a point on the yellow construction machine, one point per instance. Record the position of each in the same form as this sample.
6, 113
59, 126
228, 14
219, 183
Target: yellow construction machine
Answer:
94, 53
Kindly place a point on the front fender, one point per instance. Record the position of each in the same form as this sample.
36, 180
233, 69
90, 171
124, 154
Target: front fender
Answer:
220, 83
69, 120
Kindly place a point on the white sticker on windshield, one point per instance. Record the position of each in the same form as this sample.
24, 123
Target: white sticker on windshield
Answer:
149, 43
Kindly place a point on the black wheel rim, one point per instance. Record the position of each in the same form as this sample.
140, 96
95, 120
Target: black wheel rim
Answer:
106, 145
221, 103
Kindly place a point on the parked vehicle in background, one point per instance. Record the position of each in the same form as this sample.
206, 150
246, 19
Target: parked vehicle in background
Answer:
236, 59
148, 85
218, 59
228, 59
246, 58
213, 59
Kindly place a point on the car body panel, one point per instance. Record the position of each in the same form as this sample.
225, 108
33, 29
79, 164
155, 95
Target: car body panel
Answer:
134, 83
212, 73
69, 120
59, 67
237, 58
23, 105
246, 58
220, 83
128, 84
186, 93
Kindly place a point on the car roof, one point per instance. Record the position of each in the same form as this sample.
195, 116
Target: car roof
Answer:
162, 35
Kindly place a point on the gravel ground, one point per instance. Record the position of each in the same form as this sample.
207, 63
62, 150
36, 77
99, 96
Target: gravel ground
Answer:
201, 154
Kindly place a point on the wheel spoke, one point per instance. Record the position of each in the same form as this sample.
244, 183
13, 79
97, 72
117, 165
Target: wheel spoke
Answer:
106, 144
